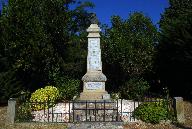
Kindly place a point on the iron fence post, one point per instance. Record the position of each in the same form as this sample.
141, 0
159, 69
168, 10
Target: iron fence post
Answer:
95, 111
117, 119
73, 111
44, 103
52, 113
48, 109
104, 111
86, 111
121, 109
69, 112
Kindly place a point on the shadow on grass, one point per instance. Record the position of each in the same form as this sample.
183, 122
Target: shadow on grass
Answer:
3, 103
182, 126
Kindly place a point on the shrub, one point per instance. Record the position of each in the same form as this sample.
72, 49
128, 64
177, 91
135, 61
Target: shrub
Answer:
68, 88
24, 112
10, 86
44, 97
135, 88
151, 112
115, 96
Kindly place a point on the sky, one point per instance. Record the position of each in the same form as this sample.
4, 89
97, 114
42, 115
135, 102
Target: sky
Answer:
104, 9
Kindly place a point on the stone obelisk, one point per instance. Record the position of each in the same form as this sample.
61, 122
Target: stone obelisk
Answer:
94, 80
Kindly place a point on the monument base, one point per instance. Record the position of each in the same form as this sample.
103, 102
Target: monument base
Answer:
94, 96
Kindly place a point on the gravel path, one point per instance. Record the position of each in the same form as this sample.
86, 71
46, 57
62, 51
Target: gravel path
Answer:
95, 125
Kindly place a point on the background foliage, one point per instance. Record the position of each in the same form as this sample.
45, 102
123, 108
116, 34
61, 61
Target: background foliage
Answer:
174, 59
39, 37
128, 49
68, 87
134, 89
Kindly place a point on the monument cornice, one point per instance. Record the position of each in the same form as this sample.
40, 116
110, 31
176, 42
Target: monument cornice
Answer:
94, 77
93, 31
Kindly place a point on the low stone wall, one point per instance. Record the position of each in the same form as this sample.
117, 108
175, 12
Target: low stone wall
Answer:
61, 112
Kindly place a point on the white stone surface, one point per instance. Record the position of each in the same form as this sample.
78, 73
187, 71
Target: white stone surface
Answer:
60, 113
94, 51
94, 55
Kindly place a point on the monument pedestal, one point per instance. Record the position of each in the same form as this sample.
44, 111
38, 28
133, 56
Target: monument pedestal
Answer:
94, 80
94, 86
94, 96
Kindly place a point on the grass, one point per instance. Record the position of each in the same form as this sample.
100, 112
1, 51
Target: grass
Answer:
33, 126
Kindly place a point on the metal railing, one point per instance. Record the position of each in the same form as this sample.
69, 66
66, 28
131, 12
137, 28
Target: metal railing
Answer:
79, 111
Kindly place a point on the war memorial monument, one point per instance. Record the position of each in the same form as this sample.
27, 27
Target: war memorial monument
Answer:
94, 80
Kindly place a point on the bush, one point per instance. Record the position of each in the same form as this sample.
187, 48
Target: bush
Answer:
68, 88
115, 96
135, 88
24, 112
10, 86
151, 112
44, 97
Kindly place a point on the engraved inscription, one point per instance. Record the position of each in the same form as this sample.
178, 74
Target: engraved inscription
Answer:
94, 85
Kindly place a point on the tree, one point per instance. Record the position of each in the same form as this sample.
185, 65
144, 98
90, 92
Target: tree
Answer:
9, 84
175, 48
29, 35
74, 56
128, 48
35, 35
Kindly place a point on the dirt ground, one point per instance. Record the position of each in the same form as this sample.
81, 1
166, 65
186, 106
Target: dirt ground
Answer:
3, 125
187, 125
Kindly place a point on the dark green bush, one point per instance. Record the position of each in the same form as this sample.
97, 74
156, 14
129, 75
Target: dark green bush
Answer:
68, 88
115, 95
151, 112
24, 112
135, 88
10, 86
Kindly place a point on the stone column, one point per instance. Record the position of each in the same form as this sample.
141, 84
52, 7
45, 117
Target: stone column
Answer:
94, 80
11, 111
179, 109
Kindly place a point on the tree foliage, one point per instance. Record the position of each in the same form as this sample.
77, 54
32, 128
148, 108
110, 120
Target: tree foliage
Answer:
128, 48
134, 89
38, 35
175, 48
